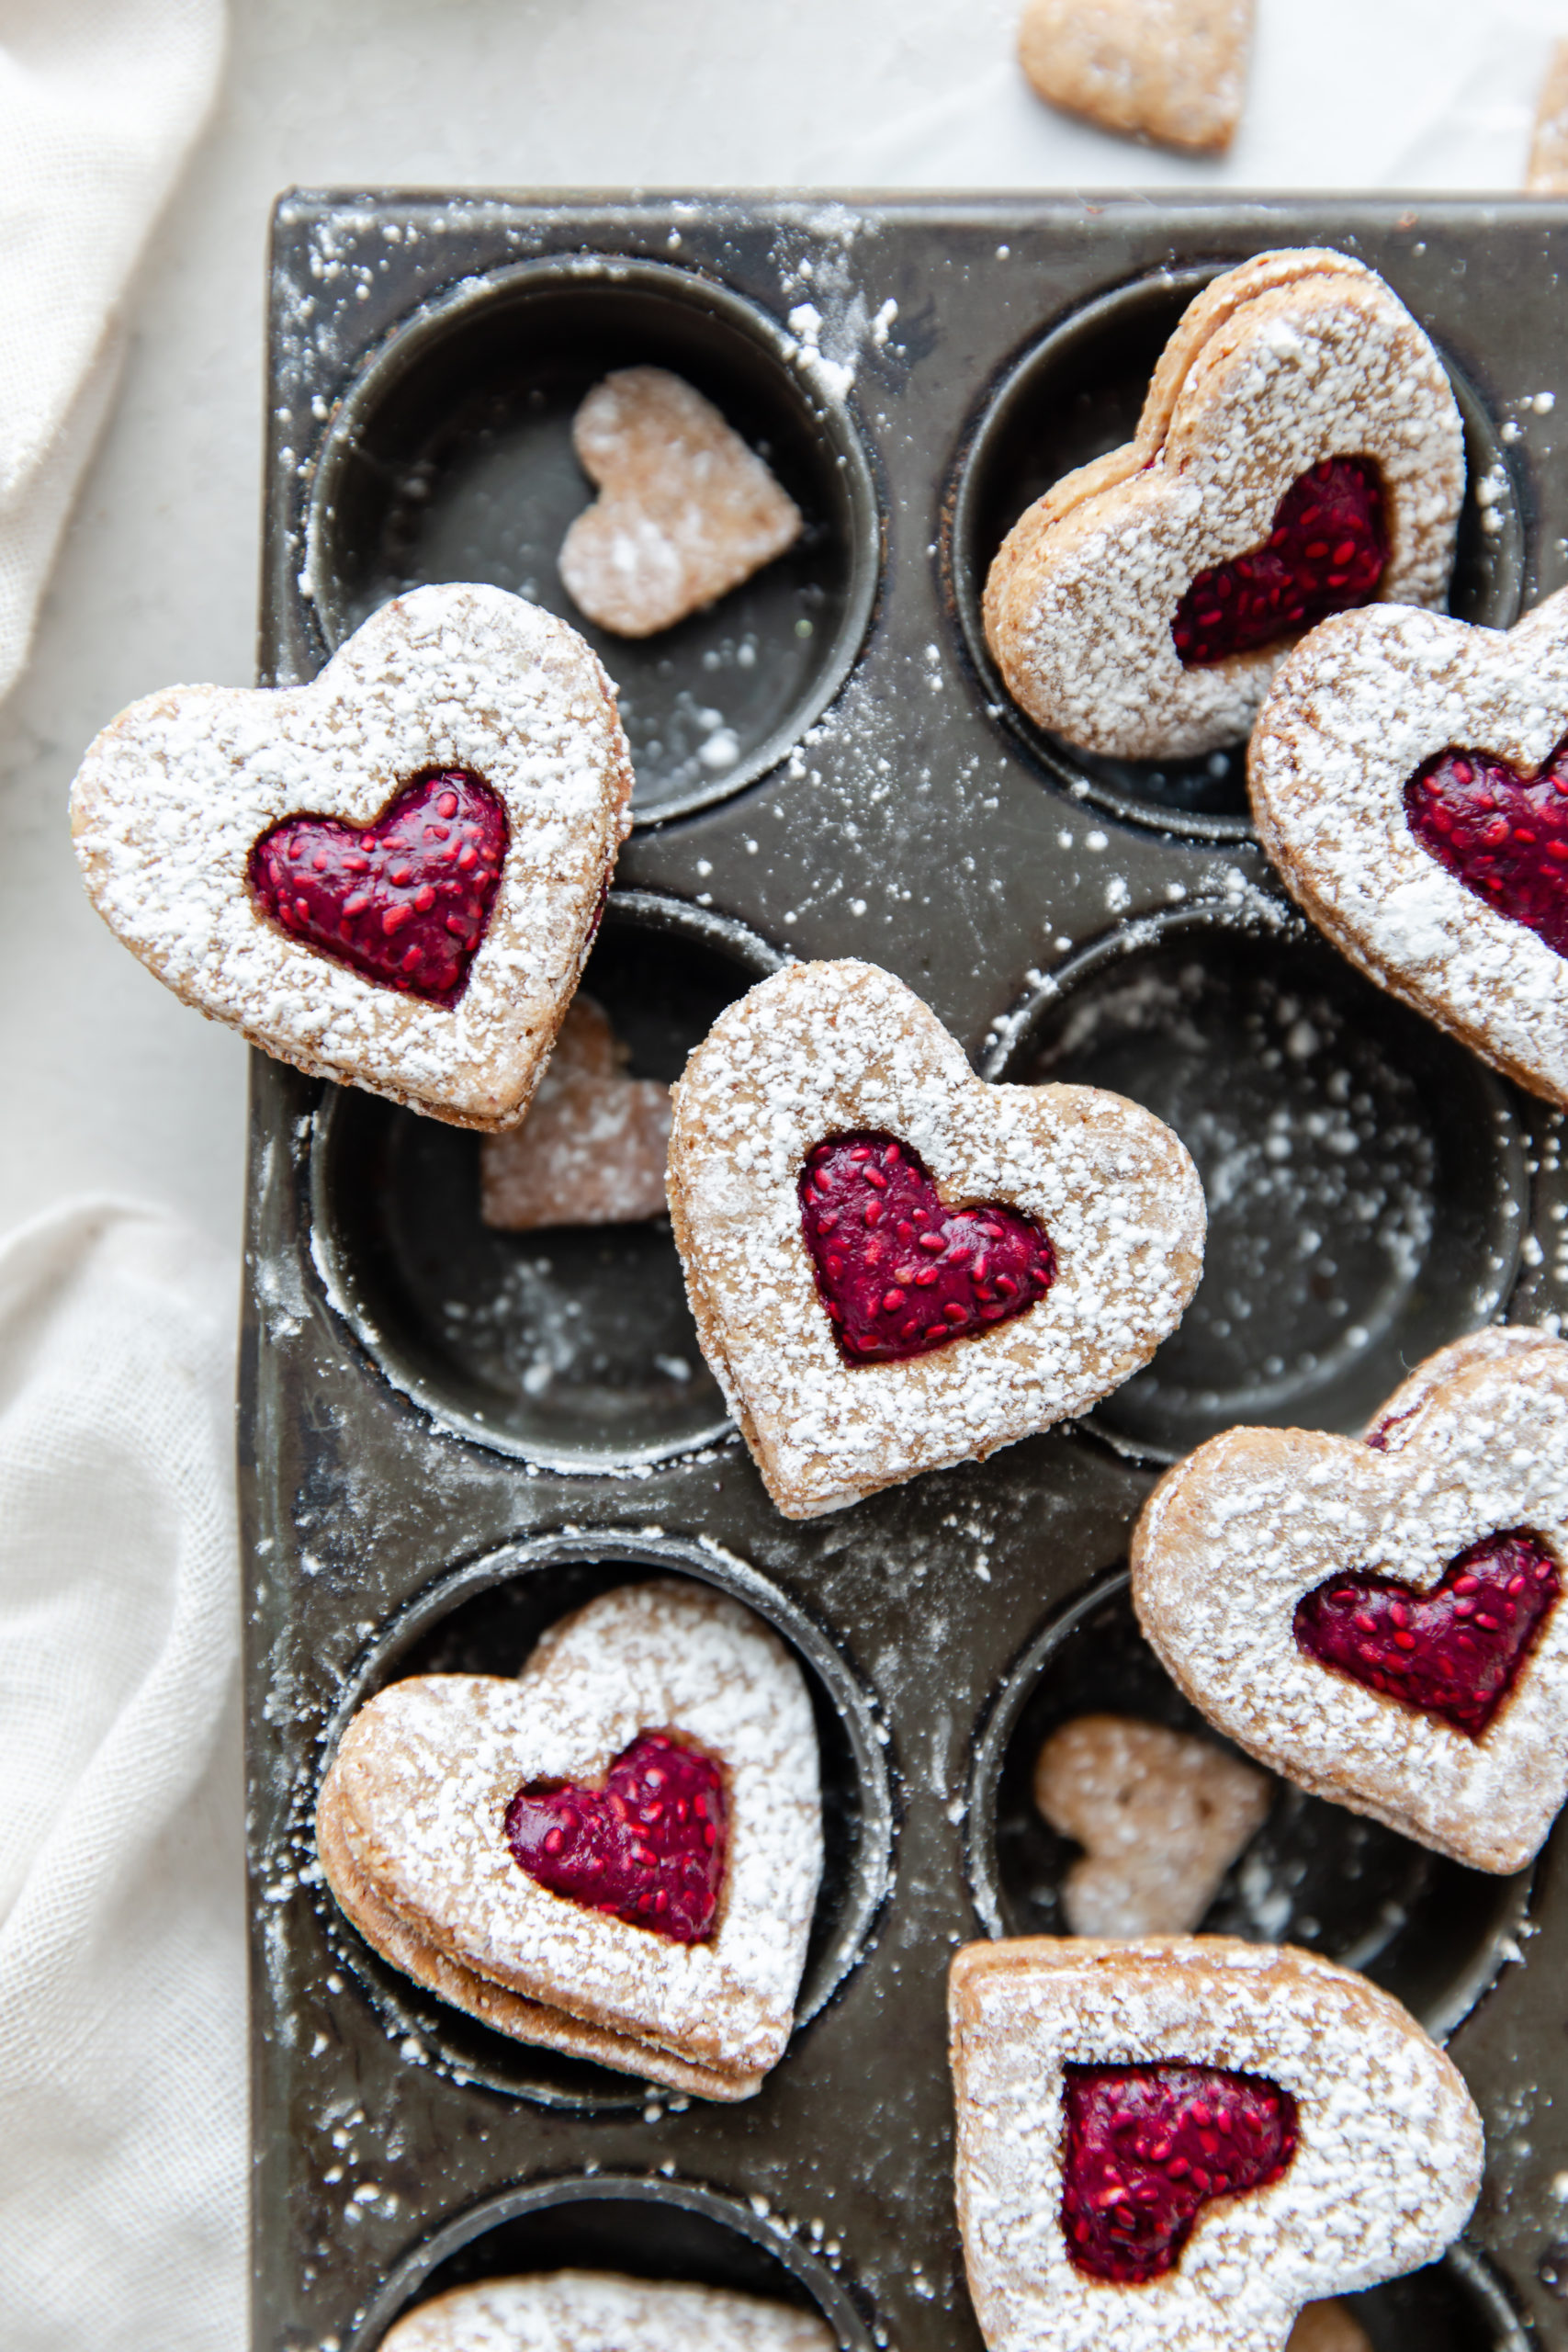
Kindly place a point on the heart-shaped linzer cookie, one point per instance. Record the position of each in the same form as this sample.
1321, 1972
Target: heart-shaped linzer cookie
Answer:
844, 1055
390, 877
597, 2311
1404, 777
1300, 451
506, 1843
1381, 1621
685, 512
1171, 2145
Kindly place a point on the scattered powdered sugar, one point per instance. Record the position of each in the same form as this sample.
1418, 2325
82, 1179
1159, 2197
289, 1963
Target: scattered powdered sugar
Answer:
1475, 1444
1318, 360
172, 795
1360, 705
825, 1049
595, 2311
427, 1769
1384, 2174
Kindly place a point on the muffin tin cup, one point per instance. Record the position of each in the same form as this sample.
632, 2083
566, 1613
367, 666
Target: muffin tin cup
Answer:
450, 457
670, 2228
1431, 1932
411, 1502
1366, 1176
572, 1347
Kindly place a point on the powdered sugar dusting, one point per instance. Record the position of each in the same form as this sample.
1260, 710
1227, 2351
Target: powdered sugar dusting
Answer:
1384, 2174
1320, 360
595, 2311
427, 1769
822, 1049
172, 795
1475, 1444
1364, 701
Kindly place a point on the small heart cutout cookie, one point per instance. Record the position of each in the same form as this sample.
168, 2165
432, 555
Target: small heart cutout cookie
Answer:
1161, 1817
1089, 1207
1409, 781
1172, 2145
597, 2311
390, 877
1300, 450
1382, 1621
591, 1150
1170, 70
505, 1843
685, 512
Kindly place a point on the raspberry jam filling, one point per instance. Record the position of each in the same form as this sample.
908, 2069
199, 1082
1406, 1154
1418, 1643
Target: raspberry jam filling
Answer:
1504, 835
403, 901
1325, 552
1147, 2147
1454, 1652
648, 1846
899, 1272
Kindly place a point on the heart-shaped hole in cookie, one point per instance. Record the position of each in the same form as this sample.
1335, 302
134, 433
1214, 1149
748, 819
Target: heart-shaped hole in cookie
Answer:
1325, 552
1147, 2147
1454, 1652
404, 901
898, 1271
1502, 835
647, 1846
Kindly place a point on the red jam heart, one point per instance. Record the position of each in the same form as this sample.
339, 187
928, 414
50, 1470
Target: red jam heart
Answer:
648, 1846
1325, 552
1504, 835
1147, 2147
403, 901
899, 1272
1453, 1652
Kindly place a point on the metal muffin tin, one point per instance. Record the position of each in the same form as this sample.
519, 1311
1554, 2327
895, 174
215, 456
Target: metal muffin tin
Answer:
448, 1438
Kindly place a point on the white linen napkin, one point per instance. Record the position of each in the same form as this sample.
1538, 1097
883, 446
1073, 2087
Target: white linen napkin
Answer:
122, 1975
99, 102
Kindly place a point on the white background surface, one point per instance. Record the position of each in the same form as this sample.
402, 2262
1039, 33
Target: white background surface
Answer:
109, 1082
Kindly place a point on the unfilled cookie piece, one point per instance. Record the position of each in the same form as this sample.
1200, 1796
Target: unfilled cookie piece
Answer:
1548, 173
616, 1855
1173, 2144
1173, 71
685, 511
598, 2311
1161, 1816
1300, 451
591, 1150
